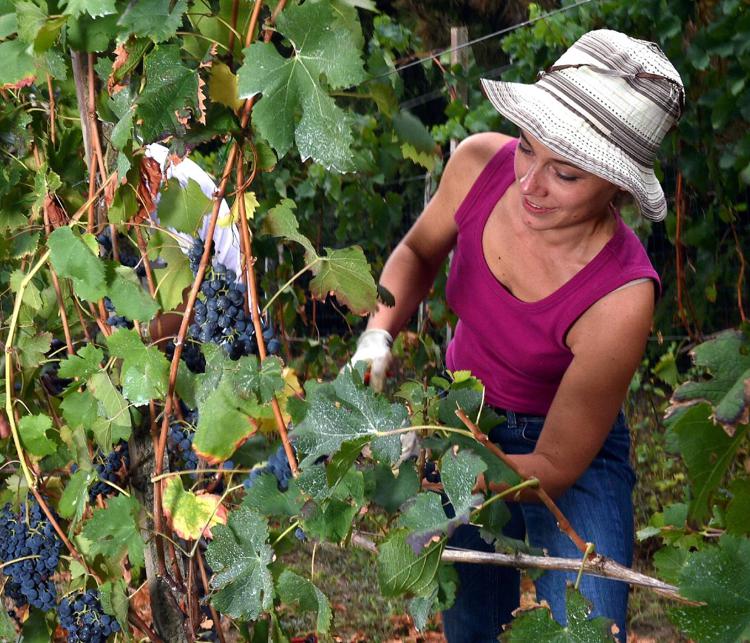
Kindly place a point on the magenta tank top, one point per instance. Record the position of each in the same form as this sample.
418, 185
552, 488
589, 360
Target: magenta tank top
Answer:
517, 349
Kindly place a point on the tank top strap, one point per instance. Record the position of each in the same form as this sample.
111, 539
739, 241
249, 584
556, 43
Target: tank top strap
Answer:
490, 185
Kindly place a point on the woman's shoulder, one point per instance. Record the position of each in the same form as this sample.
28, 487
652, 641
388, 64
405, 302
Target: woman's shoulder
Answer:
468, 160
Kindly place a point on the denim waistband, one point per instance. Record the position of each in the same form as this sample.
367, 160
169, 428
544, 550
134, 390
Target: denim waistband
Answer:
514, 419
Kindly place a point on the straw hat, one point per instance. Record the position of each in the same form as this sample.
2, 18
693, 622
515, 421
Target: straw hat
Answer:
605, 105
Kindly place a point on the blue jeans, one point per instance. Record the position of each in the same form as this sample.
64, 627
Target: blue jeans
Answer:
599, 507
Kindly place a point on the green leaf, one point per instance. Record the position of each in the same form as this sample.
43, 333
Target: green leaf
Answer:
92, 34
426, 519
239, 555
191, 515
7, 628
94, 8
726, 358
128, 296
293, 84
359, 413
113, 422
264, 497
80, 409
83, 364
332, 521
281, 222
35, 628
707, 450
33, 431
72, 258
400, 571
172, 280
346, 274
113, 596
413, 132
18, 69
154, 19
31, 349
420, 608
171, 92
183, 208
145, 369
295, 590
76, 495
458, 473
391, 491
537, 624
113, 531
738, 511
720, 577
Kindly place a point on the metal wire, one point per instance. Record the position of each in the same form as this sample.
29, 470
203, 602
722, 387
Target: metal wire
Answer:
505, 30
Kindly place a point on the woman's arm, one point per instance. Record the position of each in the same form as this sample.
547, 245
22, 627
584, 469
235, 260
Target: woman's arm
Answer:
607, 344
411, 269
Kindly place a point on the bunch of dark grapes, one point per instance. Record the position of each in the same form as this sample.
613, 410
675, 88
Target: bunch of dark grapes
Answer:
191, 355
83, 618
115, 320
277, 465
49, 378
220, 316
128, 253
113, 468
28, 534
180, 443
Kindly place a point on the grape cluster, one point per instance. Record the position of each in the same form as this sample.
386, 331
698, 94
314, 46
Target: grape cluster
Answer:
27, 532
278, 465
128, 253
191, 355
83, 618
52, 382
220, 315
115, 320
180, 443
114, 468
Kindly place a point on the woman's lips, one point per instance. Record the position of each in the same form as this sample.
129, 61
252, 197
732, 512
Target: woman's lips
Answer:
534, 209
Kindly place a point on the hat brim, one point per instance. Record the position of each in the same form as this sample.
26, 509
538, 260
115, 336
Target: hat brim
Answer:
567, 133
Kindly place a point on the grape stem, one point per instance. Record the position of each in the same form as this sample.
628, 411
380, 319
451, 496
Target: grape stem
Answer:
285, 533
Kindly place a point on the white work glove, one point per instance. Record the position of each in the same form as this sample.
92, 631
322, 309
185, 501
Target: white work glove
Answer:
374, 347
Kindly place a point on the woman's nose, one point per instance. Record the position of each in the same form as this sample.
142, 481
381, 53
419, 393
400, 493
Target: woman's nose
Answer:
529, 181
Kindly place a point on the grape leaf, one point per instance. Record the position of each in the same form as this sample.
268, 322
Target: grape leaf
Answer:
94, 8
73, 258
128, 295
91, 34
172, 280
358, 413
83, 364
113, 416
738, 511
183, 208
707, 450
293, 589
281, 222
113, 531
80, 409
33, 431
331, 521
222, 86
401, 571
390, 491
31, 349
425, 515
7, 628
114, 599
413, 132
145, 369
537, 624
720, 577
76, 495
171, 91
265, 497
727, 359
191, 515
239, 555
18, 69
346, 274
293, 84
153, 18
31, 296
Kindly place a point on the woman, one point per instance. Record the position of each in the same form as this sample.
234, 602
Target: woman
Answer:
555, 298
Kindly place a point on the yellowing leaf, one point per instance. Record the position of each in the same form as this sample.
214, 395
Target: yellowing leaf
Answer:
190, 514
425, 159
222, 86
251, 203
291, 388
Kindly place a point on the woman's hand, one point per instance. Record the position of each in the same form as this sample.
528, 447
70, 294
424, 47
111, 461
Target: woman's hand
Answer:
374, 347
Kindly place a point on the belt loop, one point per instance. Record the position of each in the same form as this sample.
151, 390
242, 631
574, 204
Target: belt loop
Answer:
511, 419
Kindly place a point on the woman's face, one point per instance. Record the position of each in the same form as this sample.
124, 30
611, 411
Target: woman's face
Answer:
554, 193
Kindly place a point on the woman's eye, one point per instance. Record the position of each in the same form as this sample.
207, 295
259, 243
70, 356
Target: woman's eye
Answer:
525, 150
564, 177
